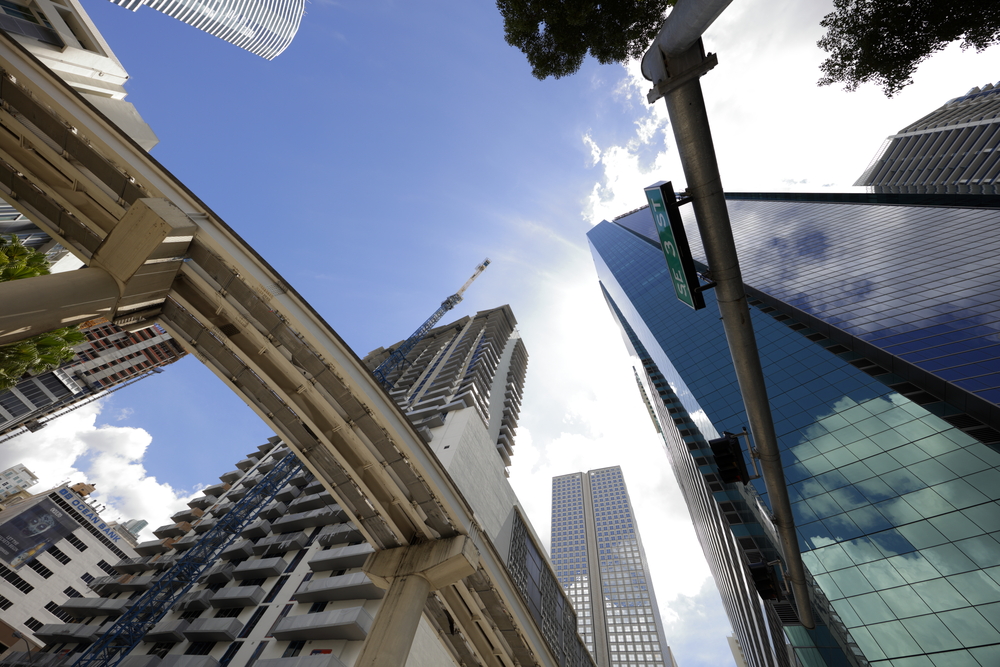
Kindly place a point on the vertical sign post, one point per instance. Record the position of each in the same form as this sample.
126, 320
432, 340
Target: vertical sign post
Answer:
680, 265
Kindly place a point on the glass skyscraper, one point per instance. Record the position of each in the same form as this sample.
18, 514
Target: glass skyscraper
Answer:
600, 562
879, 330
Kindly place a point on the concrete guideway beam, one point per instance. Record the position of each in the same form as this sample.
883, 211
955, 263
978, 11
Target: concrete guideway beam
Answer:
35, 305
410, 574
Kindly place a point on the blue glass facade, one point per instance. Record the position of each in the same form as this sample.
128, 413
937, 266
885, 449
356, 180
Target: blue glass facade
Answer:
896, 508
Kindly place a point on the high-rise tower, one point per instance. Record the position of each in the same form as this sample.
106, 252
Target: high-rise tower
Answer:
262, 28
600, 562
952, 150
877, 330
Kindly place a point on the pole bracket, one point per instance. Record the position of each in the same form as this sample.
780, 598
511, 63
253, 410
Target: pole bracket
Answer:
675, 79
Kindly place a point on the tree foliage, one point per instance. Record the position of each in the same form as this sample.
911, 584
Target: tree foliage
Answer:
44, 351
557, 34
883, 41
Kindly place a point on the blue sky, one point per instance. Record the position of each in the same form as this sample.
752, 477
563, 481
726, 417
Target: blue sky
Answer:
395, 145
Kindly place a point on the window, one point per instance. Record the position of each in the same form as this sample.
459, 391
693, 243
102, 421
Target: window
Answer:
229, 613
5, 604
273, 593
200, 648
15, 580
34, 624
38, 567
230, 654
105, 565
54, 609
56, 553
72, 592
317, 607
87, 577
161, 649
191, 614
252, 622
293, 650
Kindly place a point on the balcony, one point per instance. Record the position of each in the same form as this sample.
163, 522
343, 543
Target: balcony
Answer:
57, 633
194, 601
237, 596
351, 624
246, 464
87, 607
189, 514
268, 465
301, 478
231, 476
202, 502
251, 481
167, 631
339, 534
215, 490
240, 550
188, 661
258, 528
186, 543
205, 525
236, 494
172, 530
152, 547
219, 573
138, 583
312, 501
133, 565
164, 562
353, 586
213, 630
275, 509
279, 544
323, 516
222, 509
341, 558
302, 661
260, 569
314, 486
288, 493
107, 585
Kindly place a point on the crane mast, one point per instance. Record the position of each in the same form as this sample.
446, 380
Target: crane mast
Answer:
398, 355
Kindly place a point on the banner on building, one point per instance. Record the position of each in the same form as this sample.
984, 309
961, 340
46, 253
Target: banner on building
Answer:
32, 531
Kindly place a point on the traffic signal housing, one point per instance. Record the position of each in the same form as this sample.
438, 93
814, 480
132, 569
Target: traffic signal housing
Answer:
729, 459
765, 581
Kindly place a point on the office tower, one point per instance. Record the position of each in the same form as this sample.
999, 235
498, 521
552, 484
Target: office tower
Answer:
52, 545
62, 36
110, 359
952, 150
15, 479
262, 28
600, 562
291, 588
13, 222
878, 339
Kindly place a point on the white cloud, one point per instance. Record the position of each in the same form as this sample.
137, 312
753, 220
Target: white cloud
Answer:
76, 448
696, 628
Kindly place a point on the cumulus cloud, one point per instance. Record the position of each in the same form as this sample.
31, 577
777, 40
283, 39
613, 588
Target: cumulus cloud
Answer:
696, 627
77, 448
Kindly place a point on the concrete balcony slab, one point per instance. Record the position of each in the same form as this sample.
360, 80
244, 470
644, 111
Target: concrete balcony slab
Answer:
152, 547
133, 565
302, 661
237, 596
351, 624
260, 569
194, 600
353, 586
340, 558
219, 573
279, 544
167, 631
241, 550
87, 607
57, 633
339, 534
258, 528
323, 516
231, 476
213, 630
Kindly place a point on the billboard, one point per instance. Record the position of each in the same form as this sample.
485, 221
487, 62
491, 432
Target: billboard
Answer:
32, 531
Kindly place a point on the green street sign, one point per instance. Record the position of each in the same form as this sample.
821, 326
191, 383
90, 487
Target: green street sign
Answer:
680, 265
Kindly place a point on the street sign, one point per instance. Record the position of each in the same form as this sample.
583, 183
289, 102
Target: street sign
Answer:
680, 265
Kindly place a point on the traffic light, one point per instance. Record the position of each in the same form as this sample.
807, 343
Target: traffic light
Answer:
729, 458
764, 581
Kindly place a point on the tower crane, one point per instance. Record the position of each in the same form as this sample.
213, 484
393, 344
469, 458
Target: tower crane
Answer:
398, 356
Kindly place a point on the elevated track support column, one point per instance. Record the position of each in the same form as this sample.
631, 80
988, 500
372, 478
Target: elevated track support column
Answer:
410, 574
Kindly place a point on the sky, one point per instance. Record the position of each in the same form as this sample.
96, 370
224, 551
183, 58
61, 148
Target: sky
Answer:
395, 145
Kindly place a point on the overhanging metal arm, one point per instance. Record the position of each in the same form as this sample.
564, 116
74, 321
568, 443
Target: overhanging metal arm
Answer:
680, 87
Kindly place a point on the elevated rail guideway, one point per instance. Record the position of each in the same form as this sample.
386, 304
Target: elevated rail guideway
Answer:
154, 251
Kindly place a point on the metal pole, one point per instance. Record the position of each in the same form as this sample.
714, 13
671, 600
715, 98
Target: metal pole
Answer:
689, 119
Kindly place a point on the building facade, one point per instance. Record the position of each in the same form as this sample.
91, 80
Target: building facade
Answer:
16, 479
262, 28
110, 359
600, 562
52, 546
878, 341
952, 150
